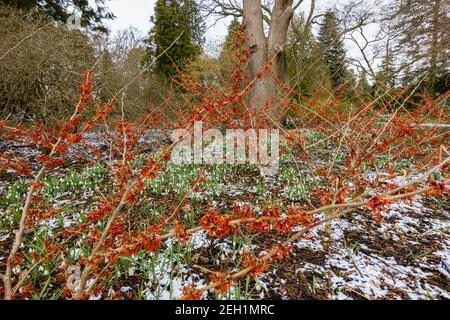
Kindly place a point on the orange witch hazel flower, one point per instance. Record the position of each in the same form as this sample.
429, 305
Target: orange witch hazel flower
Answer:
438, 189
244, 211
86, 91
282, 253
216, 224
257, 265
179, 232
75, 138
260, 225
377, 204
192, 293
54, 163
22, 167
27, 292
223, 283
101, 212
150, 239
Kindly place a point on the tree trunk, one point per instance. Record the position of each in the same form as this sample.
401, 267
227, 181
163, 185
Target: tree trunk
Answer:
267, 50
254, 32
281, 18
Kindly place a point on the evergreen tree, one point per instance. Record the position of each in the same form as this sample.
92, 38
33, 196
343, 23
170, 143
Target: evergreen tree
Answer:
225, 60
333, 49
61, 10
386, 77
421, 29
232, 28
174, 19
364, 87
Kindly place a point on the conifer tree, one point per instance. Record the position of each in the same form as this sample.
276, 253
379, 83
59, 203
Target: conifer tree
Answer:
232, 28
386, 77
364, 87
174, 19
333, 49
422, 35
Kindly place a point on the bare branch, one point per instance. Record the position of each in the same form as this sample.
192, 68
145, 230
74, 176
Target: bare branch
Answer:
295, 6
221, 9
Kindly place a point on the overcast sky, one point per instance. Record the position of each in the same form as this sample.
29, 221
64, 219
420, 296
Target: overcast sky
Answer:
137, 13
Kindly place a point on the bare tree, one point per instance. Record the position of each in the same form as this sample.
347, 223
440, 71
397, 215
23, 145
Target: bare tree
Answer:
420, 34
40, 65
266, 26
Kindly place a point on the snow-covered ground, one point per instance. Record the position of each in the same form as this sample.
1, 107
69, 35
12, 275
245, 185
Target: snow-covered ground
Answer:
405, 257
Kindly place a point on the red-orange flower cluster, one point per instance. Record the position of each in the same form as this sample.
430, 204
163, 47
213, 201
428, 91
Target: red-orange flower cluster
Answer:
255, 264
179, 232
103, 210
222, 281
378, 204
191, 293
216, 224
150, 239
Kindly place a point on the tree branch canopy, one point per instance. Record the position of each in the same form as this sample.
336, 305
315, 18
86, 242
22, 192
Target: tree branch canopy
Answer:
61, 10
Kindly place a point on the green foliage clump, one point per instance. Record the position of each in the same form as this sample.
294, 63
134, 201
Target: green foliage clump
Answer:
174, 20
